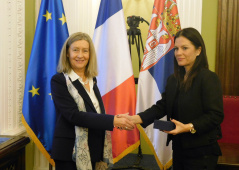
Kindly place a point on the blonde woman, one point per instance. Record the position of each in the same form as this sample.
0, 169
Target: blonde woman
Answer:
80, 139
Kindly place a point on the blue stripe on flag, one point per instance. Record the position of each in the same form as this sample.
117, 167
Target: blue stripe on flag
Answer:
162, 70
112, 7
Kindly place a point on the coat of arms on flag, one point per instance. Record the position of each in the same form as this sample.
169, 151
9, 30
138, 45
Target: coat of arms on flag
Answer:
164, 25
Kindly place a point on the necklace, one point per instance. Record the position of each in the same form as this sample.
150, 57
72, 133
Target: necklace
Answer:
85, 82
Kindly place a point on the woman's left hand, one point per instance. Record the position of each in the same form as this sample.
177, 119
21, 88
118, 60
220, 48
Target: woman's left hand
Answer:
180, 128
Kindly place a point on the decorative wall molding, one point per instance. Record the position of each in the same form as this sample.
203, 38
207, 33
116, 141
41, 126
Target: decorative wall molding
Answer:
10, 65
20, 72
12, 44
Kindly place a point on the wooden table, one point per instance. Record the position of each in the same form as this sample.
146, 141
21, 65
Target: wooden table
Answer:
12, 152
230, 157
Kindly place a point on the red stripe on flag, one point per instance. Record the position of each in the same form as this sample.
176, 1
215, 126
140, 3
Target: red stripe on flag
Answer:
122, 100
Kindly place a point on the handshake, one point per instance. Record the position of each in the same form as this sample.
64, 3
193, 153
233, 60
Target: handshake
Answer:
126, 122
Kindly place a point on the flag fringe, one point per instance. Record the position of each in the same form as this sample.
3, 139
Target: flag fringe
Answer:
168, 164
37, 142
127, 151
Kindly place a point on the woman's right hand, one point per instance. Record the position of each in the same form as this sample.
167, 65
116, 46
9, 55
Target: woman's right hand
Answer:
123, 122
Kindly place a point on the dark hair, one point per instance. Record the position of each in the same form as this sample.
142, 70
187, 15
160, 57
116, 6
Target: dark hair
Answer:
201, 60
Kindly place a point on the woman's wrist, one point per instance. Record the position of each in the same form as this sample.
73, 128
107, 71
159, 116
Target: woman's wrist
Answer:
115, 121
137, 119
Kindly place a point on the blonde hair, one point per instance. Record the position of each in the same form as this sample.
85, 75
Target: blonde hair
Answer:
64, 63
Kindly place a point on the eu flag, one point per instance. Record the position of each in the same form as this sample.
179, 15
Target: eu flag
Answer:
38, 107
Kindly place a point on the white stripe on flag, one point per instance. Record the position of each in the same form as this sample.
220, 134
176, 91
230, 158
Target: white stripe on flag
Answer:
116, 55
145, 98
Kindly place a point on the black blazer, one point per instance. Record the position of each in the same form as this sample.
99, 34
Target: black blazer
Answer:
201, 105
68, 116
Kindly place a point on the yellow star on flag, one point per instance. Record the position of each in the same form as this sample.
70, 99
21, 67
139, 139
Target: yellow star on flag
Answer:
50, 95
34, 91
47, 15
63, 19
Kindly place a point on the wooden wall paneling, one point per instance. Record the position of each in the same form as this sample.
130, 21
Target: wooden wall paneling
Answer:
236, 69
221, 41
234, 26
227, 63
218, 37
237, 51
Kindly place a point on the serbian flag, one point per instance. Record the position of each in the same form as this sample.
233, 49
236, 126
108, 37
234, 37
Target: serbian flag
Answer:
157, 65
115, 80
38, 108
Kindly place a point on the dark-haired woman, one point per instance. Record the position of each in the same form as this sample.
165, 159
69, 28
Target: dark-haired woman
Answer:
193, 102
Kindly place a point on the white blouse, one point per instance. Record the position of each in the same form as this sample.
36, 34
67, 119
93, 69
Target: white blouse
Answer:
91, 93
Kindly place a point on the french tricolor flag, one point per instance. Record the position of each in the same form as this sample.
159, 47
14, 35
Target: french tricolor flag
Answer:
115, 80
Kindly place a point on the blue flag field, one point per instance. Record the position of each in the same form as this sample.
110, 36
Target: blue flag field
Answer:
38, 107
